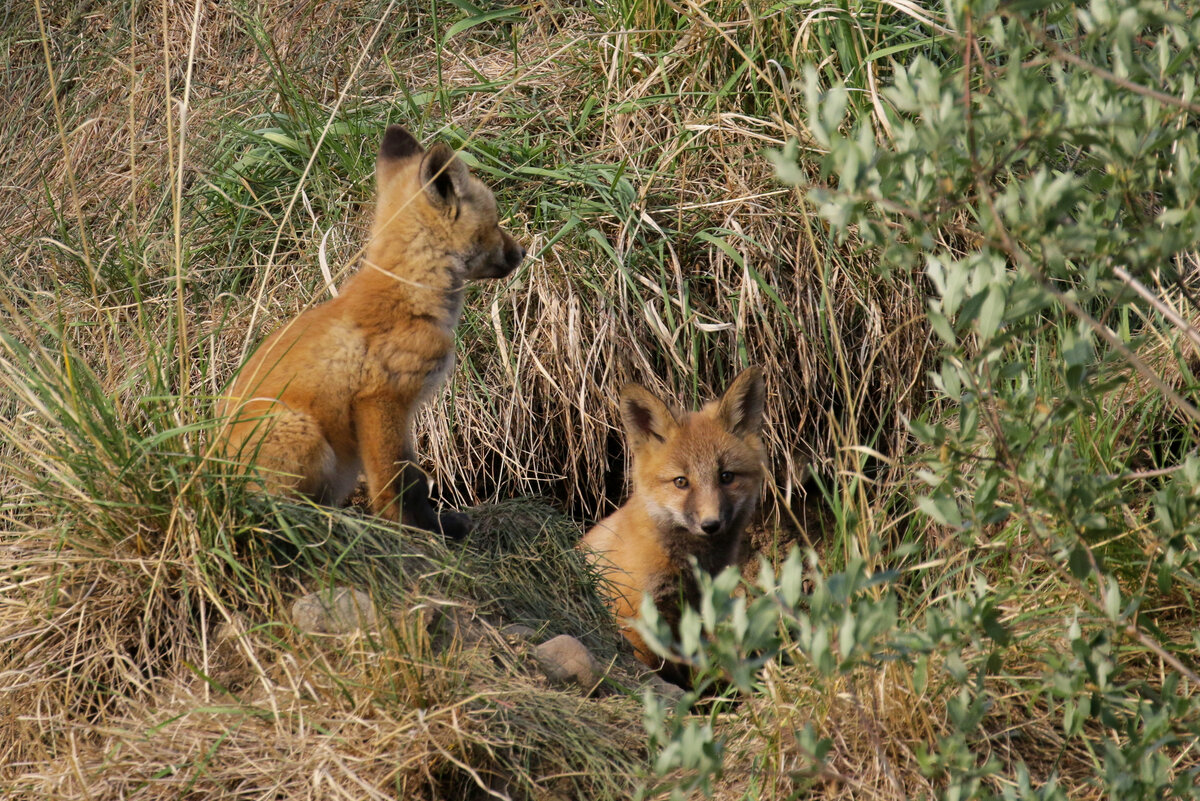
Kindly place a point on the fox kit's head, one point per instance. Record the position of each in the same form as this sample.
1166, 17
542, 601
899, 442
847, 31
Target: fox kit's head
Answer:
698, 472
428, 199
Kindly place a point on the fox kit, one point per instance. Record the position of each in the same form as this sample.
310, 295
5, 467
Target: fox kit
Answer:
334, 391
696, 482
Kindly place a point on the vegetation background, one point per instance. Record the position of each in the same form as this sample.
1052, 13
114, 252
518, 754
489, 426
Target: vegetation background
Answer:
177, 179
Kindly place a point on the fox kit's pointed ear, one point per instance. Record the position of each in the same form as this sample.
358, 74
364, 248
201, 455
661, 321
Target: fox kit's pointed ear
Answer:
645, 417
443, 176
398, 144
397, 147
741, 406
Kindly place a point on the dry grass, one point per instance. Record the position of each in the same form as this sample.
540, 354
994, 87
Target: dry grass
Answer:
142, 680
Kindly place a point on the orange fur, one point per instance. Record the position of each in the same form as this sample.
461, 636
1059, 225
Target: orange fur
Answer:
333, 392
696, 481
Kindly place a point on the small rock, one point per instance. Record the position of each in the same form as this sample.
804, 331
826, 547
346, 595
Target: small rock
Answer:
337, 611
565, 660
664, 688
515, 631
228, 666
454, 624
231, 630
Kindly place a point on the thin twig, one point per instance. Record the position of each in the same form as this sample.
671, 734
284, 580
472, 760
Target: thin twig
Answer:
1162, 308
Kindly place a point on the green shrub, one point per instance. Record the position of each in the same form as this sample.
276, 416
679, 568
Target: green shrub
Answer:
1043, 184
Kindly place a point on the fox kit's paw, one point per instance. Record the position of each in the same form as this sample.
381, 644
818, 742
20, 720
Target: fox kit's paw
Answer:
454, 525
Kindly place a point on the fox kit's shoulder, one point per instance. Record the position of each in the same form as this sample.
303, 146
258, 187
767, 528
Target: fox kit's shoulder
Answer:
696, 478
334, 391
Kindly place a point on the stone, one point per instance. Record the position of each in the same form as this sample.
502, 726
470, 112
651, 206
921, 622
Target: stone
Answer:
455, 624
565, 660
515, 631
663, 688
227, 665
340, 610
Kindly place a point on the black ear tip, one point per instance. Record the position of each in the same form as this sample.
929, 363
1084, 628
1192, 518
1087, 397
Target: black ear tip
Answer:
398, 143
751, 377
742, 404
639, 419
633, 397
441, 154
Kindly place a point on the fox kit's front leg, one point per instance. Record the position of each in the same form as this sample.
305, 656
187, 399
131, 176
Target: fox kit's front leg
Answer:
396, 485
381, 428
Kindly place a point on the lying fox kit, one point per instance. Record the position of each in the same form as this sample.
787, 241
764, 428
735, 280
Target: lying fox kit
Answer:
696, 482
333, 393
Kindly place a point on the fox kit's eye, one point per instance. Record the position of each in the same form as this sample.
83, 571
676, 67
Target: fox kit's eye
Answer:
681, 482
725, 477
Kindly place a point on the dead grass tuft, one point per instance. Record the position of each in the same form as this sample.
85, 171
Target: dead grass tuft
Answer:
141, 680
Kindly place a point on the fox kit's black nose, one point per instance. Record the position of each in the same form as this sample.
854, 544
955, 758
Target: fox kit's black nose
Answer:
711, 526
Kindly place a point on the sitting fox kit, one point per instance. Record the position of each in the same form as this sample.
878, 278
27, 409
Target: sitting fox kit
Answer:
333, 393
696, 483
